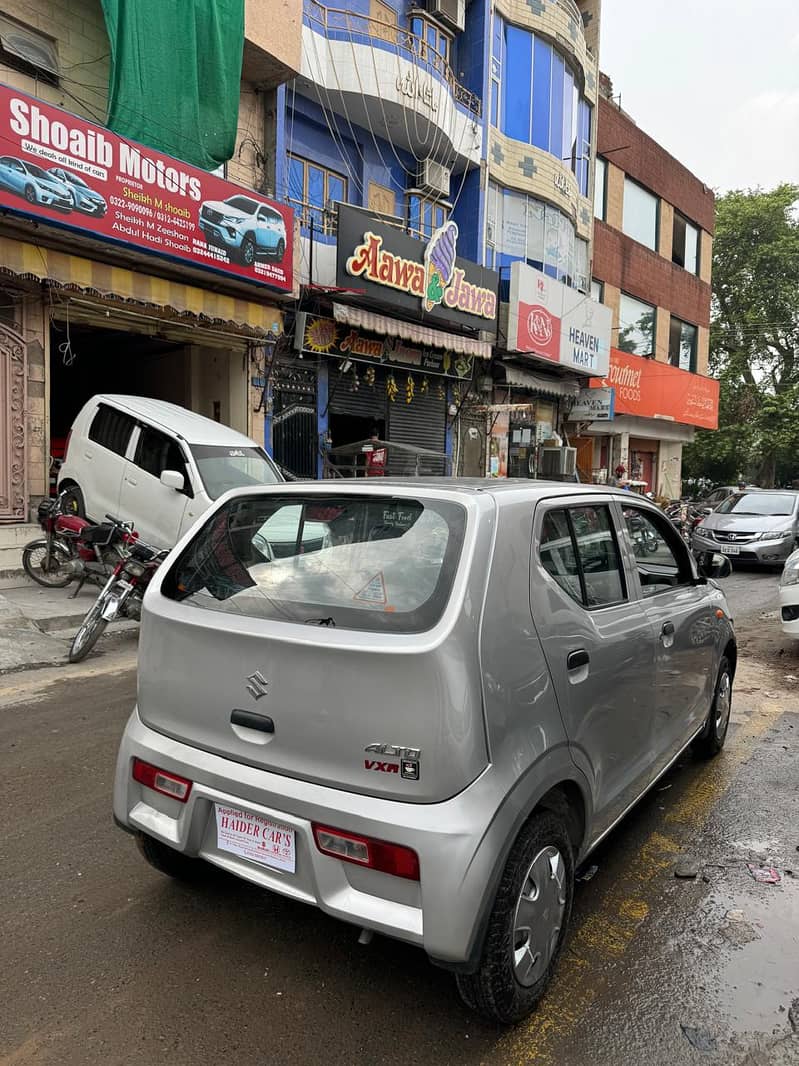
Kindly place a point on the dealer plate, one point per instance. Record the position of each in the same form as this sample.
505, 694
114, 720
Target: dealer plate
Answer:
255, 838
730, 549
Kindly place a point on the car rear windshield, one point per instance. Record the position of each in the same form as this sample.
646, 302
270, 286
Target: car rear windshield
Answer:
232, 468
374, 563
758, 503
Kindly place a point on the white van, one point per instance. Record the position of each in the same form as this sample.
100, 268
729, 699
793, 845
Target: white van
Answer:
155, 464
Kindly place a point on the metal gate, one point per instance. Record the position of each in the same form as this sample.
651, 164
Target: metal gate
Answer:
13, 404
294, 421
422, 422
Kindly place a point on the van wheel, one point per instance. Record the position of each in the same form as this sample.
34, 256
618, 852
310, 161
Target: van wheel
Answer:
711, 740
168, 861
73, 500
528, 923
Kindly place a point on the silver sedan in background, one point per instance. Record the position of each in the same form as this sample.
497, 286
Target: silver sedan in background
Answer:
758, 526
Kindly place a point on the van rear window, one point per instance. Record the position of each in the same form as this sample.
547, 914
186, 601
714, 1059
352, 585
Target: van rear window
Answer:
374, 563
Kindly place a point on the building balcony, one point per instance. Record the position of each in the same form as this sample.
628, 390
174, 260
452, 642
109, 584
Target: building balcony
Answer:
385, 79
272, 42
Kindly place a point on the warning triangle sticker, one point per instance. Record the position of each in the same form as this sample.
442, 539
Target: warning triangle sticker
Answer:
374, 591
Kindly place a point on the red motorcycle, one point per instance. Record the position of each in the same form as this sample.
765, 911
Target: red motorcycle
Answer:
74, 548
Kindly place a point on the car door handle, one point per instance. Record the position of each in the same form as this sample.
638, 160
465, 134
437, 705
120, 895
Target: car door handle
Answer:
576, 659
130, 481
668, 629
251, 720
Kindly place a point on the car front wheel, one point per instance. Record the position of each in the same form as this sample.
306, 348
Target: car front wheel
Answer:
248, 251
711, 740
30, 194
528, 923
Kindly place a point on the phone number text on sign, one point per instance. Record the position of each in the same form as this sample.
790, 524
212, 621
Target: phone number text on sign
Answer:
255, 838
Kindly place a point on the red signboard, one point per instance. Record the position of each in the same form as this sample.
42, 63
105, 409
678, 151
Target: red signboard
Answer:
58, 168
651, 389
539, 331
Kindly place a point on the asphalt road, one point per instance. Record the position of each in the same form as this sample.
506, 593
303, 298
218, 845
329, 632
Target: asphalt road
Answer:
106, 962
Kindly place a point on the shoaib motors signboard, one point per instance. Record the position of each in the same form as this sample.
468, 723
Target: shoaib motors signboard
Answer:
651, 389
547, 320
423, 279
62, 170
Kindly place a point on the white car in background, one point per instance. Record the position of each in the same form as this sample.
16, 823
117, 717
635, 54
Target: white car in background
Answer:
789, 596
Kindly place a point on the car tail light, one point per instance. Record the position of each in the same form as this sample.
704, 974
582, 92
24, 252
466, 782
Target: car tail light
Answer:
365, 851
161, 781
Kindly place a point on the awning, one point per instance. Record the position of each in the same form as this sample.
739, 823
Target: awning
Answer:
73, 273
410, 331
540, 383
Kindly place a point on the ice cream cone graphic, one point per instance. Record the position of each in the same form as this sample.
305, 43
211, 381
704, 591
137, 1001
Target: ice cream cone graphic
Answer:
439, 258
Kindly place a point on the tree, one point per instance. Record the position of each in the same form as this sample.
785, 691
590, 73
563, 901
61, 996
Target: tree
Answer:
754, 340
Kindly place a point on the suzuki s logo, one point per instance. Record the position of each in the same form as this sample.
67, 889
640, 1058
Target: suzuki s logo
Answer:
257, 685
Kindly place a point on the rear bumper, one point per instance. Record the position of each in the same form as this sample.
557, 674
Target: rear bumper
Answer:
759, 552
457, 850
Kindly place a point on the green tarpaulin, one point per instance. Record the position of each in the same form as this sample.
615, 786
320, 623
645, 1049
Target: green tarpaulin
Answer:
175, 75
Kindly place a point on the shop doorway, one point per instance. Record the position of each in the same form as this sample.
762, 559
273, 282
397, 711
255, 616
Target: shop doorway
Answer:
585, 458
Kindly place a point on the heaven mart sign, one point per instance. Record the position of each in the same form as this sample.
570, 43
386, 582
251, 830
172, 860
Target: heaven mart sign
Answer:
547, 320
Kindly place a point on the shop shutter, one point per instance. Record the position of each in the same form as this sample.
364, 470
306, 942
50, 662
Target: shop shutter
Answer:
369, 401
422, 422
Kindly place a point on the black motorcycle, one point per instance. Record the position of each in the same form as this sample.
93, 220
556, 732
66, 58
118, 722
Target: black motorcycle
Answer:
120, 597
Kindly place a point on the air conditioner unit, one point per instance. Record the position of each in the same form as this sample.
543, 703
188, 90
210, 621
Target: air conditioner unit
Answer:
434, 176
31, 47
558, 462
453, 12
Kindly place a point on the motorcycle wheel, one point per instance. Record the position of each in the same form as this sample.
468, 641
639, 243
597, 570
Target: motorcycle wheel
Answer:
54, 575
91, 628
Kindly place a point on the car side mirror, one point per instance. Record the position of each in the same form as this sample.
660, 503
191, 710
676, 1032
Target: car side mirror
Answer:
713, 565
173, 479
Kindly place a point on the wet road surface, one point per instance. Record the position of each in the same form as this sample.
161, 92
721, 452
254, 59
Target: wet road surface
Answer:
106, 961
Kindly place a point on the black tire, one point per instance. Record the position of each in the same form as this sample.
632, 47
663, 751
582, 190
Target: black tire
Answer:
73, 500
247, 252
495, 990
711, 740
30, 195
170, 862
52, 575
91, 629
280, 251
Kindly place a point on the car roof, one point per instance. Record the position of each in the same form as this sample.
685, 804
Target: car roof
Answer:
504, 490
194, 428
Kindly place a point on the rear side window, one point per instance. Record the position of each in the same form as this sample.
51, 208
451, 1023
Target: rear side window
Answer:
579, 550
111, 429
358, 562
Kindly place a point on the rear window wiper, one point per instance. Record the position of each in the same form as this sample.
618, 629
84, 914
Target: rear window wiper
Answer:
320, 622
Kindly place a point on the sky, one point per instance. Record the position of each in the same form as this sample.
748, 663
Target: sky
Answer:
715, 82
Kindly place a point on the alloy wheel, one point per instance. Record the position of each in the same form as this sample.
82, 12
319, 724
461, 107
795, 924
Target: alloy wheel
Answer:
723, 703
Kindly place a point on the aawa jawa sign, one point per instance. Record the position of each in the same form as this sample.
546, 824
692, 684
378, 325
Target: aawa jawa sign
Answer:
60, 169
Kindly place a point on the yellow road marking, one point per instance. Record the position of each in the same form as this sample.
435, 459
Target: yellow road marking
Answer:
606, 933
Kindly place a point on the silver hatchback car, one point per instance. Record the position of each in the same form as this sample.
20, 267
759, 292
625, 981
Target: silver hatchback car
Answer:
425, 719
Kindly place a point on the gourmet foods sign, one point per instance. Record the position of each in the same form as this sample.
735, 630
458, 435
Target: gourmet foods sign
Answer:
547, 320
62, 170
386, 264
652, 389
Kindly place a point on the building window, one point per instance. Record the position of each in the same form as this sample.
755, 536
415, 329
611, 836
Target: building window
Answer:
682, 344
636, 326
601, 189
522, 228
28, 51
430, 42
640, 214
536, 98
685, 244
424, 215
597, 290
313, 193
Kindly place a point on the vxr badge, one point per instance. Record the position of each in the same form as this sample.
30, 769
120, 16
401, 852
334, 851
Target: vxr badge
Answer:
257, 685
407, 767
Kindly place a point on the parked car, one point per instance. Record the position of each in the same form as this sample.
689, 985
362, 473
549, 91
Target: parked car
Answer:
85, 199
789, 596
246, 227
719, 495
759, 526
425, 725
35, 184
156, 464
